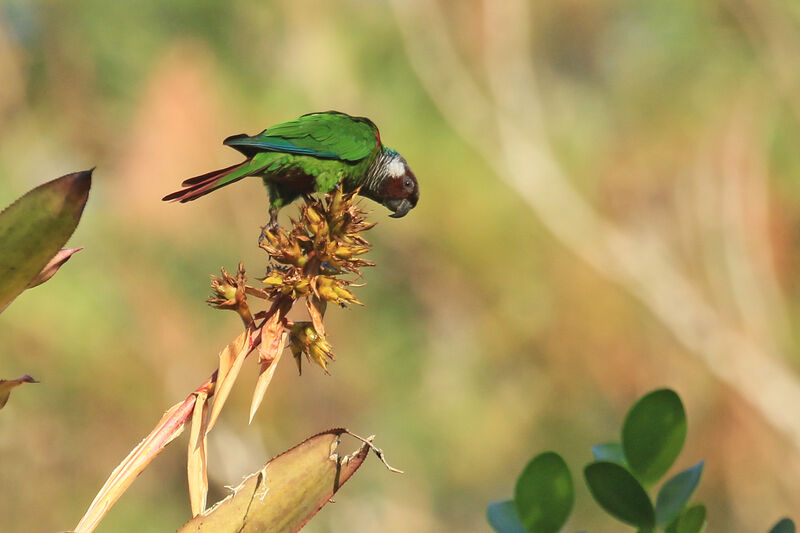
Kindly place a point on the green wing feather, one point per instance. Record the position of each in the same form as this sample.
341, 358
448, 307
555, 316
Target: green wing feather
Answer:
329, 135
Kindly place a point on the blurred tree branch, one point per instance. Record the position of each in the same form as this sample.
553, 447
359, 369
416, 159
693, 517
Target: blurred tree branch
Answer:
773, 37
504, 122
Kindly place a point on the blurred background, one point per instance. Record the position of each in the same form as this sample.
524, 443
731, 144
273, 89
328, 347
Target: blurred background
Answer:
609, 204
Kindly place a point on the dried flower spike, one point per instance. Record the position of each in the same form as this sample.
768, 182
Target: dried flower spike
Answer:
317, 258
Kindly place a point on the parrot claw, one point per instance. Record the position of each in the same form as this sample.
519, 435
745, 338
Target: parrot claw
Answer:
271, 226
273, 218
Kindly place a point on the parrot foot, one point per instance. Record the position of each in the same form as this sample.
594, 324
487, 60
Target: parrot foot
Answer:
273, 218
271, 226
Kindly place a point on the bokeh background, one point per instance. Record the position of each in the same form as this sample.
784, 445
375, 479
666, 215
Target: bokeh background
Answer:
610, 204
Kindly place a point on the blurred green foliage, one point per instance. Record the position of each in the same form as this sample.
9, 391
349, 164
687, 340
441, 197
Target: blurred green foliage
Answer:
482, 333
652, 437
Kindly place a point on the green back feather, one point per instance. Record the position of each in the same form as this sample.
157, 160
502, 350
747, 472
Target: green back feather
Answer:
328, 135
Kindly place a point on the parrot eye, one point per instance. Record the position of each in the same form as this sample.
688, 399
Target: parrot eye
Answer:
408, 185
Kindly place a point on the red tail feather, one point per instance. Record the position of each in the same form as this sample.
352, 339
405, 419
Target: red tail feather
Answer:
200, 185
214, 173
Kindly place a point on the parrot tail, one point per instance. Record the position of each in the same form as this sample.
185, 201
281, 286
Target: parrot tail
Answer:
203, 184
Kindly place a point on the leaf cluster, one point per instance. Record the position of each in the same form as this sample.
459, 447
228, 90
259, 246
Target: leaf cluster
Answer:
622, 479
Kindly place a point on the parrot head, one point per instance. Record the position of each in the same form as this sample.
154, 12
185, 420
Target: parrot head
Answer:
395, 185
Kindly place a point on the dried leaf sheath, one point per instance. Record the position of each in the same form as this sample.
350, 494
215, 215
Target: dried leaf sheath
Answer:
268, 364
197, 462
224, 384
316, 310
170, 426
288, 491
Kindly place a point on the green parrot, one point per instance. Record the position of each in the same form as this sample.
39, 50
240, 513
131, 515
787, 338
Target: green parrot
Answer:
315, 153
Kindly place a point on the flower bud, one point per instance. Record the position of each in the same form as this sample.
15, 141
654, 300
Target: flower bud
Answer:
313, 216
274, 279
346, 295
305, 340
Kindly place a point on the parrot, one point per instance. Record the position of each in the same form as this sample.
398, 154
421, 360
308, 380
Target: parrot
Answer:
315, 154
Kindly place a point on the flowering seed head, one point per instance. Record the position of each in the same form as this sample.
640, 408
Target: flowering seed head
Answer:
318, 257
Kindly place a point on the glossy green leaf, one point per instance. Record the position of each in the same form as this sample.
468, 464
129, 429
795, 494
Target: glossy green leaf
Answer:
544, 493
675, 493
785, 525
653, 434
620, 494
691, 520
287, 492
503, 517
609, 451
35, 227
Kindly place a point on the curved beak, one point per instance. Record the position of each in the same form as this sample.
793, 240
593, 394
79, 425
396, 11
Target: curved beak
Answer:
400, 208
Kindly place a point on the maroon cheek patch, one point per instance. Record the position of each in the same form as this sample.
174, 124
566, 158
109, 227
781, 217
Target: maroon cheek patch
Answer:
394, 188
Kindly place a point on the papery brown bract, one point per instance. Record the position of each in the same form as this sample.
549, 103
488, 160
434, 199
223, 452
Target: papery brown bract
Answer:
6, 385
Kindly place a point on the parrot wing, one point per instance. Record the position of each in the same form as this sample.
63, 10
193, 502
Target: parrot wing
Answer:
328, 135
